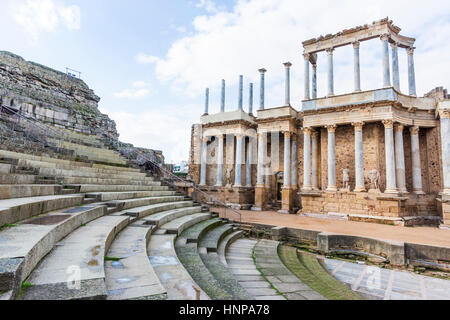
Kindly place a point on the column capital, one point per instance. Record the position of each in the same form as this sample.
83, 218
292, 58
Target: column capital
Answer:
329, 50
410, 51
399, 127
394, 45
314, 134
414, 130
220, 137
307, 130
287, 65
262, 71
287, 134
331, 128
385, 37
239, 135
356, 44
205, 139
444, 113
358, 125
388, 124
307, 56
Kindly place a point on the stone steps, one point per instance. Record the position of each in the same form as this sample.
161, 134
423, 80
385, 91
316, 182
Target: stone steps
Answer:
142, 202
28, 190
29, 242
12, 178
14, 210
211, 240
178, 225
77, 172
132, 277
225, 244
91, 188
85, 248
111, 196
145, 211
110, 181
164, 217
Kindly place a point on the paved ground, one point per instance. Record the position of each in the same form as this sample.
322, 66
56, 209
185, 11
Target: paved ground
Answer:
420, 235
389, 284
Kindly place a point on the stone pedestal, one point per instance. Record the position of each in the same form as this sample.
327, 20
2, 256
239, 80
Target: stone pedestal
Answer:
287, 200
260, 192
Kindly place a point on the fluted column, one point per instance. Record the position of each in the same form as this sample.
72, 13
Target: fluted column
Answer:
219, 179
330, 72
250, 99
206, 102
306, 76
386, 68
314, 81
294, 165
222, 97
287, 160
241, 93
248, 174
357, 69
411, 72
260, 171
203, 162
391, 180
332, 186
239, 162
262, 88
307, 159
315, 160
416, 162
395, 67
359, 157
400, 159
287, 100
445, 142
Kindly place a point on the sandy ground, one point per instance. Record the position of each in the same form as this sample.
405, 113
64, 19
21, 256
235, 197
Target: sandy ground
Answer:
419, 235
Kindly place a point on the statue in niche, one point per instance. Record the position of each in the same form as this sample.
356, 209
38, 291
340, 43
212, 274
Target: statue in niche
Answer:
228, 177
374, 178
346, 179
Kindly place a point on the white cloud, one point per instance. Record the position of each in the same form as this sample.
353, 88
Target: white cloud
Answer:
143, 58
36, 16
140, 89
208, 5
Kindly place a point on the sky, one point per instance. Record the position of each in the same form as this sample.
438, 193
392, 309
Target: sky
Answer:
151, 60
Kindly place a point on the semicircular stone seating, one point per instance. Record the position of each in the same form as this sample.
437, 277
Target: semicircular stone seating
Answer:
79, 230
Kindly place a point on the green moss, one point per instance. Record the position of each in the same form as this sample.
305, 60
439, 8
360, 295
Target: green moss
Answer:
23, 287
112, 259
7, 226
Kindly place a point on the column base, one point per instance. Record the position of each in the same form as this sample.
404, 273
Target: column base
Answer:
219, 185
403, 190
332, 189
360, 189
306, 189
419, 192
391, 191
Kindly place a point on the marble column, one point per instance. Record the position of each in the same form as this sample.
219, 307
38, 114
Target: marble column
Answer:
330, 72
261, 96
395, 67
386, 68
203, 161
416, 162
241, 92
356, 67
314, 81
306, 76
391, 180
206, 102
400, 159
315, 160
250, 99
307, 159
445, 142
294, 164
260, 171
287, 100
359, 158
287, 160
219, 179
248, 173
222, 97
411, 72
332, 186
239, 160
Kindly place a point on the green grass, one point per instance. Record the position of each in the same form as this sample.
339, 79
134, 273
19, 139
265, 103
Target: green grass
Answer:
23, 287
7, 226
112, 259
307, 268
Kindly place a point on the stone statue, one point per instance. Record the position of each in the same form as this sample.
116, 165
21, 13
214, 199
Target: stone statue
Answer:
346, 179
228, 177
374, 177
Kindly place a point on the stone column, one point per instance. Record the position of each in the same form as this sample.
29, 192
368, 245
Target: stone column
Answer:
416, 163
357, 69
287, 160
445, 142
330, 72
241, 92
239, 158
261, 100
250, 99
260, 173
287, 100
411, 72
400, 159
314, 81
219, 179
203, 162
359, 157
307, 159
206, 102
395, 67
306, 79
294, 165
332, 186
386, 68
391, 181
222, 97
315, 160
248, 174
